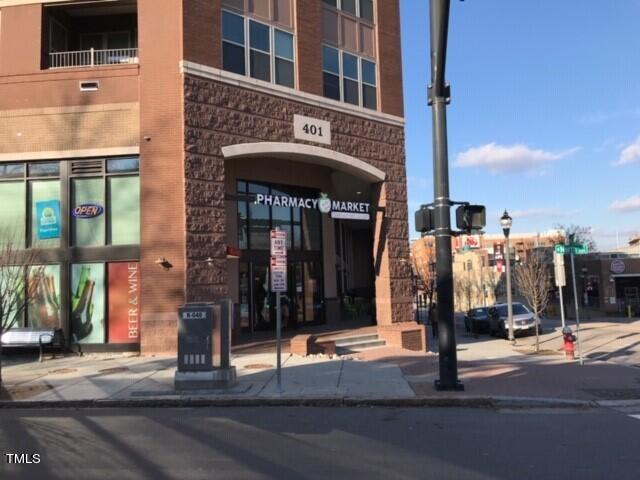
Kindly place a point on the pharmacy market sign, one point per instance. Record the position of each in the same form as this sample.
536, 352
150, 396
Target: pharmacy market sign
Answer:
335, 208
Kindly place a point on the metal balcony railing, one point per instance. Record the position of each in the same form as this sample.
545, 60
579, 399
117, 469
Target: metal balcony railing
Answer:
92, 58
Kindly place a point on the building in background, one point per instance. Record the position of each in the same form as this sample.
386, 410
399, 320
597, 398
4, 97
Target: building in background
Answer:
147, 148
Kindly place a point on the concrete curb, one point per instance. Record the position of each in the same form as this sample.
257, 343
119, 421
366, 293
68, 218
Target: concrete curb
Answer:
488, 402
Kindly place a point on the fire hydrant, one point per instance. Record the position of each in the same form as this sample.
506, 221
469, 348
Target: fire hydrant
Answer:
569, 340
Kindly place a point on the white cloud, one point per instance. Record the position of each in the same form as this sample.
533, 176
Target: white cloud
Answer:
631, 204
630, 154
509, 158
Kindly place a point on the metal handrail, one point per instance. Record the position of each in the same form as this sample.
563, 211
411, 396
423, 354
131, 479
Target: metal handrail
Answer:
93, 57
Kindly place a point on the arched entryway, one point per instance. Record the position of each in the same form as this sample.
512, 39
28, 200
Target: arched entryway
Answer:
330, 252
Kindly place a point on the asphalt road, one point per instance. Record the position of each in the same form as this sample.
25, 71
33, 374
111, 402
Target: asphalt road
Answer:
322, 443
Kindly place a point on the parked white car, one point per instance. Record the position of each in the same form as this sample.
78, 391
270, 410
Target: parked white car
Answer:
523, 320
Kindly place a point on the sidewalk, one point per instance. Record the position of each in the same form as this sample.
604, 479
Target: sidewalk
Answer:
489, 368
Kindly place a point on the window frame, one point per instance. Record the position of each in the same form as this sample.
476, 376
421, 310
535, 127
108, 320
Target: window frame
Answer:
247, 19
360, 81
358, 13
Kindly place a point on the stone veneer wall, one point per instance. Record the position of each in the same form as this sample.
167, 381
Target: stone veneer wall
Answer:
219, 114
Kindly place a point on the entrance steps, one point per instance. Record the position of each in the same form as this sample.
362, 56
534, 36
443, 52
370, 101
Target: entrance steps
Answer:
357, 343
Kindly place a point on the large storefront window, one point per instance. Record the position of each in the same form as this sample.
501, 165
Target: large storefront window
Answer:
12, 213
302, 303
42, 284
85, 215
256, 220
124, 210
87, 302
44, 287
89, 227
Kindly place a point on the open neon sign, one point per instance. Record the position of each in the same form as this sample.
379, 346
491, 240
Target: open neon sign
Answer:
87, 210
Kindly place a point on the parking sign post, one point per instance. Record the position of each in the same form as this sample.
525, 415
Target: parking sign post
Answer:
278, 269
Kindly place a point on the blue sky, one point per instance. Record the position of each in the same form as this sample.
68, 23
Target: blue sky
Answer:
545, 112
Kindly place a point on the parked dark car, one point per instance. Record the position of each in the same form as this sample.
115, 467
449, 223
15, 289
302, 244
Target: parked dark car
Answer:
477, 320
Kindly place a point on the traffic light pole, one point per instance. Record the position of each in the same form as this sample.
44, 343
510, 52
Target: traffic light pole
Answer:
439, 97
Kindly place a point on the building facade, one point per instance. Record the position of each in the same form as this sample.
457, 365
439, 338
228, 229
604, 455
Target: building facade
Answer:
147, 149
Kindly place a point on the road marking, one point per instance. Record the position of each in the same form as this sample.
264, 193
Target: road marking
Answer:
637, 417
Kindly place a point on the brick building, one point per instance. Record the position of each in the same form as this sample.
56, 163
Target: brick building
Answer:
147, 148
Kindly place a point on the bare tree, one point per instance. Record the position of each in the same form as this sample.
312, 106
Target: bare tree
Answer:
424, 258
533, 279
581, 235
19, 277
495, 283
464, 289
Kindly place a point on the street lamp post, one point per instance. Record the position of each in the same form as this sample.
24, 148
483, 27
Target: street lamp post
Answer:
505, 223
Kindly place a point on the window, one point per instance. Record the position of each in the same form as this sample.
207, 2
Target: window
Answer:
103, 196
106, 205
233, 43
89, 230
270, 56
303, 225
331, 72
259, 55
359, 8
349, 78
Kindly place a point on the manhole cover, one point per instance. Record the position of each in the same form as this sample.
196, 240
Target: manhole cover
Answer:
62, 371
108, 371
258, 366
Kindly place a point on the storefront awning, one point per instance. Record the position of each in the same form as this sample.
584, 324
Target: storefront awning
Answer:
306, 153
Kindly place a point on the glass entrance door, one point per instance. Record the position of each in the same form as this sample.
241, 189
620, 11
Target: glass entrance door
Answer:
301, 304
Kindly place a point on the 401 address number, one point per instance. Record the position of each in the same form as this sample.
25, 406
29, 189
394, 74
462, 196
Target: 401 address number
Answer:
311, 129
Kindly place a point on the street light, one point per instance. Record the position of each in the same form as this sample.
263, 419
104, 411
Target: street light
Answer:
505, 223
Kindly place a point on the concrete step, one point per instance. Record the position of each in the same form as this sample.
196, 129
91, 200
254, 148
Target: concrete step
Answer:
346, 341
360, 346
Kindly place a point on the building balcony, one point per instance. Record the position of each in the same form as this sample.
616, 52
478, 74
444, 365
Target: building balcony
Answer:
90, 34
93, 58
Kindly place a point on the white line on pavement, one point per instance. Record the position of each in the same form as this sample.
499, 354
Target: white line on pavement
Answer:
637, 417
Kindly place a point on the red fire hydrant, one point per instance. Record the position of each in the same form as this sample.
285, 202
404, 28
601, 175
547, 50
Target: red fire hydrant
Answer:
569, 341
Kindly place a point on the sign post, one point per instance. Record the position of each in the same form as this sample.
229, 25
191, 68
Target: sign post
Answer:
574, 249
278, 284
561, 281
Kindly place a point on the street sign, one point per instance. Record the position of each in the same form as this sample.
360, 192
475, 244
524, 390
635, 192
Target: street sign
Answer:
278, 243
617, 266
558, 264
278, 277
278, 261
578, 249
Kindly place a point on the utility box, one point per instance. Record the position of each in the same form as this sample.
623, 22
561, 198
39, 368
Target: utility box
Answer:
195, 337
204, 346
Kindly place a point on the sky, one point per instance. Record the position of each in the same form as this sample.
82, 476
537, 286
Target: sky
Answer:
545, 113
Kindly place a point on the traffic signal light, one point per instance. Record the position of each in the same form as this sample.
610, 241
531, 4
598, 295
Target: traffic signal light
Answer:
424, 219
471, 217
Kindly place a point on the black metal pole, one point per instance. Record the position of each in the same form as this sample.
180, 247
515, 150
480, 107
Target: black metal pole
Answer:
439, 97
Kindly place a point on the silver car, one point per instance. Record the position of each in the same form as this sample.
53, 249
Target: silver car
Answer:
523, 320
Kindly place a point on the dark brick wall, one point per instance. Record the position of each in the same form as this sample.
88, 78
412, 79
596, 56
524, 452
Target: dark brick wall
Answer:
218, 114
